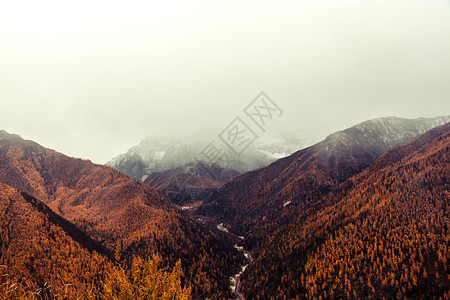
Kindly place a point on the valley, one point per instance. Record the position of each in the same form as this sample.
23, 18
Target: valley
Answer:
223, 150
364, 213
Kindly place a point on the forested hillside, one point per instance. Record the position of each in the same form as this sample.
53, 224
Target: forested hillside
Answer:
43, 256
339, 219
384, 233
119, 212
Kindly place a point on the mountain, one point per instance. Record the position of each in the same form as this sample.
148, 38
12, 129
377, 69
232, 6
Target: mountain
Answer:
362, 214
259, 204
163, 154
118, 212
36, 245
194, 181
348, 151
383, 233
43, 256
254, 199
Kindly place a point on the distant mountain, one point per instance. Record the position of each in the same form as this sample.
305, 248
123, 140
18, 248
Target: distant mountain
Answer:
346, 152
158, 155
380, 234
194, 181
119, 212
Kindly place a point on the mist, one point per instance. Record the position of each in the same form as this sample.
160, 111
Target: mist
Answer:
93, 78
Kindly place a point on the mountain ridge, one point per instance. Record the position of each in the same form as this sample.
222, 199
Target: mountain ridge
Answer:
118, 212
396, 208
31, 233
296, 215
259, 203
304, 174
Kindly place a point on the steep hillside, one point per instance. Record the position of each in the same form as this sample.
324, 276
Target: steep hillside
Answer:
383, 233
40, 250
118, 211
258, 202
43, 256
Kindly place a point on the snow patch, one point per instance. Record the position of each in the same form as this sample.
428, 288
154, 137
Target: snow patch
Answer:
159, 154
222, 228
239, 248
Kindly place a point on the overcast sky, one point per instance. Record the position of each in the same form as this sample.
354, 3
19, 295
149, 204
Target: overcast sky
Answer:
92, 78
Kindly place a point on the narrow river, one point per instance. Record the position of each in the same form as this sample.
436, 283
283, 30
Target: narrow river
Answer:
236, 279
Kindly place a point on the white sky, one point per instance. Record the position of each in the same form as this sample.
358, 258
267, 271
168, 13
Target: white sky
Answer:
92, 78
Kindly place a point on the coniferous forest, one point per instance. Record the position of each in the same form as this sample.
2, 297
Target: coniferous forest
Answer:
365, 229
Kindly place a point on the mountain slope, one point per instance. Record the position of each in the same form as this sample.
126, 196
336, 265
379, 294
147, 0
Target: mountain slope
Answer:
119, 212
384, 233
79, 190
257, 202
194, 181
43, 256
40, 250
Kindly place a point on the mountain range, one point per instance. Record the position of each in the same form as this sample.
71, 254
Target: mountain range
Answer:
383, 233
302, 176
118, 212
262, 204
361, 214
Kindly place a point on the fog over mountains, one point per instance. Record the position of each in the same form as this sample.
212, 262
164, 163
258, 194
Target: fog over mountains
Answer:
162, 154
